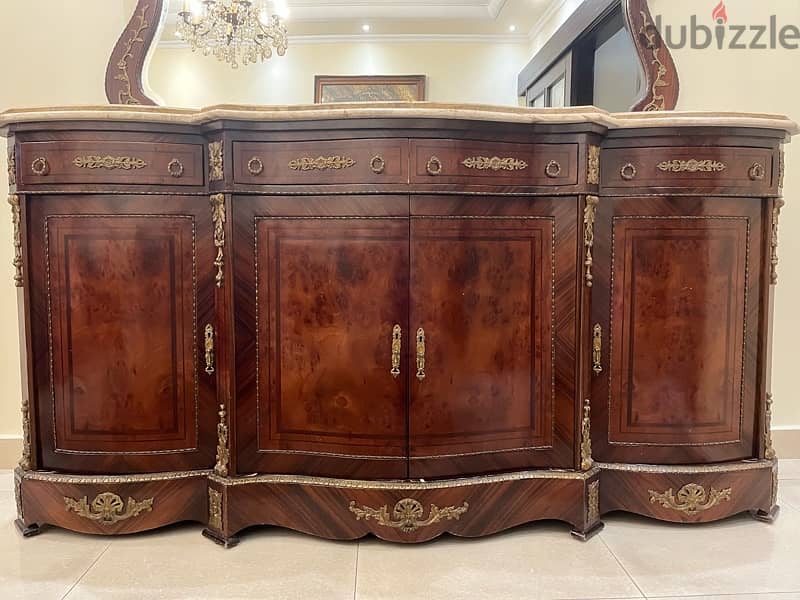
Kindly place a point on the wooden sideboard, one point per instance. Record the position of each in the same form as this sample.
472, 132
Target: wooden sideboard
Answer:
399, 320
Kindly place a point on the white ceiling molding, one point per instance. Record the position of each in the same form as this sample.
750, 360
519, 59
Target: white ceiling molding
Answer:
496, 7
298, 40
554, 7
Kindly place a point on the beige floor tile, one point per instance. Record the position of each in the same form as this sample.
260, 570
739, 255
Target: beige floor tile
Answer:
178, 563
540, 561
789, 469
42, 567
774, 596
6, 481
789, 494
736, 556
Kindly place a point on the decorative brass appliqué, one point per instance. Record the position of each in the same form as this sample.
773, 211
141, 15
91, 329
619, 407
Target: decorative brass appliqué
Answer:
214, 509
420, 354
208, 346
495, 163
593, 508
586, 437
691, 498
108, 508
321, 163
647, 34
589, 216
397, 342
126, 94
223, 451
12, 165
597, 349
692, 166
25, 462
126, 163
769, 449
215, 162
218, 216
777, 205
407, 514
593, 175
13, 200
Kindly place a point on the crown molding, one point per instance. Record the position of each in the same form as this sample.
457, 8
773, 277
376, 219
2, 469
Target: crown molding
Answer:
400, 38
554, 7
496, 7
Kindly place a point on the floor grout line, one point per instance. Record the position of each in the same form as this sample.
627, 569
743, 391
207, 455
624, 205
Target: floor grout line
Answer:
355, 578
619, 562
89, 568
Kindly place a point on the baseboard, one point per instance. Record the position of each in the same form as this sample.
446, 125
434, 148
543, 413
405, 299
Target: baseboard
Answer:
10, 451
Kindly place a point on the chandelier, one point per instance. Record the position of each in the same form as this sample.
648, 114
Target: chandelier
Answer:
234, 31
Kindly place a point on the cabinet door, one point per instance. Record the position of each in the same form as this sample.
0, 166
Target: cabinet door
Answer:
121, 289
493, 287
317, 298
677, 294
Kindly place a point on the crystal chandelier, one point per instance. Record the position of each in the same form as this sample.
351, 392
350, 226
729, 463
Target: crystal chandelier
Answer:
234, 31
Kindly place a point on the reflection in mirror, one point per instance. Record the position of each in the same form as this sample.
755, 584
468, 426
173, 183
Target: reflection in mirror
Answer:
469, 51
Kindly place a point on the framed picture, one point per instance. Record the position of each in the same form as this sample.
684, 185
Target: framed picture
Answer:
368, 88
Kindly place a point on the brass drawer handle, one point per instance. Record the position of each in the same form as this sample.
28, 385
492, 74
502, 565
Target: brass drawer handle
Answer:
255, 166
757, 172
692, 165
553, 169
597, 349
397, 335
175, 168
209, 348
40, 166
420, 354
434, 166
377, 164
628, 172
321, 163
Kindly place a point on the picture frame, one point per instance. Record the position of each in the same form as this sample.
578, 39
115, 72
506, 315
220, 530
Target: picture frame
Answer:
369, 88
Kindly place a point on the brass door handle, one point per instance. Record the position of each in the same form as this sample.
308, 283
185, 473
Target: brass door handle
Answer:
397, 342
209, 347
597, 349
420, 354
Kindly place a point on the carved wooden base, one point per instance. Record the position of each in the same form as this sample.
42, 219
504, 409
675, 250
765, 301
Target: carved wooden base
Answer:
225, 542
27, 530
691, 494
588, 534
766, 516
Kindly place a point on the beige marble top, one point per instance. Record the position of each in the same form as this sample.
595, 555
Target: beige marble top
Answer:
474, 112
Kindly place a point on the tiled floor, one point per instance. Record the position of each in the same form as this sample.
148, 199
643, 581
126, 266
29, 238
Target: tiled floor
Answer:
739, 559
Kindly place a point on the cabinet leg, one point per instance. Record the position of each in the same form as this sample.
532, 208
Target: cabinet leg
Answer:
217, 538
585, 535
766, 516
27, 530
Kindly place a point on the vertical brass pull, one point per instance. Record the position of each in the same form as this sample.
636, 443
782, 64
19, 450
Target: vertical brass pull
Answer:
420, 354
597, 349
209, 346
397, 342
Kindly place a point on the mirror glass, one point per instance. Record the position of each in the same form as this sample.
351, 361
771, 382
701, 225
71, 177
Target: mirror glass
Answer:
466, 51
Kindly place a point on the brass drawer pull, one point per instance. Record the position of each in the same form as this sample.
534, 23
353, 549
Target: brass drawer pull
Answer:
628, 172
553, 169
397, 335
757, 172
255, 166
692, 165
209, 348
434, 166
494, 163
597, 349
377, 164
175, 168
321, 163
40, 166
420, 354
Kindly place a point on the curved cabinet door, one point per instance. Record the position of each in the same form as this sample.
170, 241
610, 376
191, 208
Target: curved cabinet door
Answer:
494, 287
319, 290
678, 294
121, 290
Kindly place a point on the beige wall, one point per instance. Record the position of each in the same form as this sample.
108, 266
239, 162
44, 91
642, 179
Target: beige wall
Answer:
457, 72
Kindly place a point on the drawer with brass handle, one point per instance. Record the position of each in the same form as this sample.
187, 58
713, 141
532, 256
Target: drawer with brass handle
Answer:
111, 162
319, 163
493, 163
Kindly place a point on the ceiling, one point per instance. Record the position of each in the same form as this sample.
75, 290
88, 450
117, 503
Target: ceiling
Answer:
310, 21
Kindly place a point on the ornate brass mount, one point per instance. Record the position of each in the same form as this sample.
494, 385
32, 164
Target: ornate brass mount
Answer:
407, 514
589, 216
647, 37
593, 508
397, 342
215, 162
495, 163
434, 166
209, 348
586, 437
593, 174
108, 508
223, 451
214, 509
420, 354
769, 448
692, 166
13, 200
40, 166
553, 169
691, 498
321, 163
218, 217
597, 349
126, 163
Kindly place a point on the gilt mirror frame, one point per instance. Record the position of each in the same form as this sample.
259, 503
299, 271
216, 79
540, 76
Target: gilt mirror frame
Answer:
126, 82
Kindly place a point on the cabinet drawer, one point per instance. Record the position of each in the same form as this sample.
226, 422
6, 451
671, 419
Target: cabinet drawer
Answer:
482, 163
130, 163
750, 169
324, 162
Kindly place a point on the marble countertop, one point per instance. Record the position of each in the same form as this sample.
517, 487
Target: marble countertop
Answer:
474, 112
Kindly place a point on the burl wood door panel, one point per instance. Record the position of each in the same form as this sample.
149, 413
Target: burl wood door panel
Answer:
316, 395
121, 290
681, 329
495, 296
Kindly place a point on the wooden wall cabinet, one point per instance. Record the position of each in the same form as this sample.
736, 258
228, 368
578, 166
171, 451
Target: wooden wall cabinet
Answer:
456, 320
